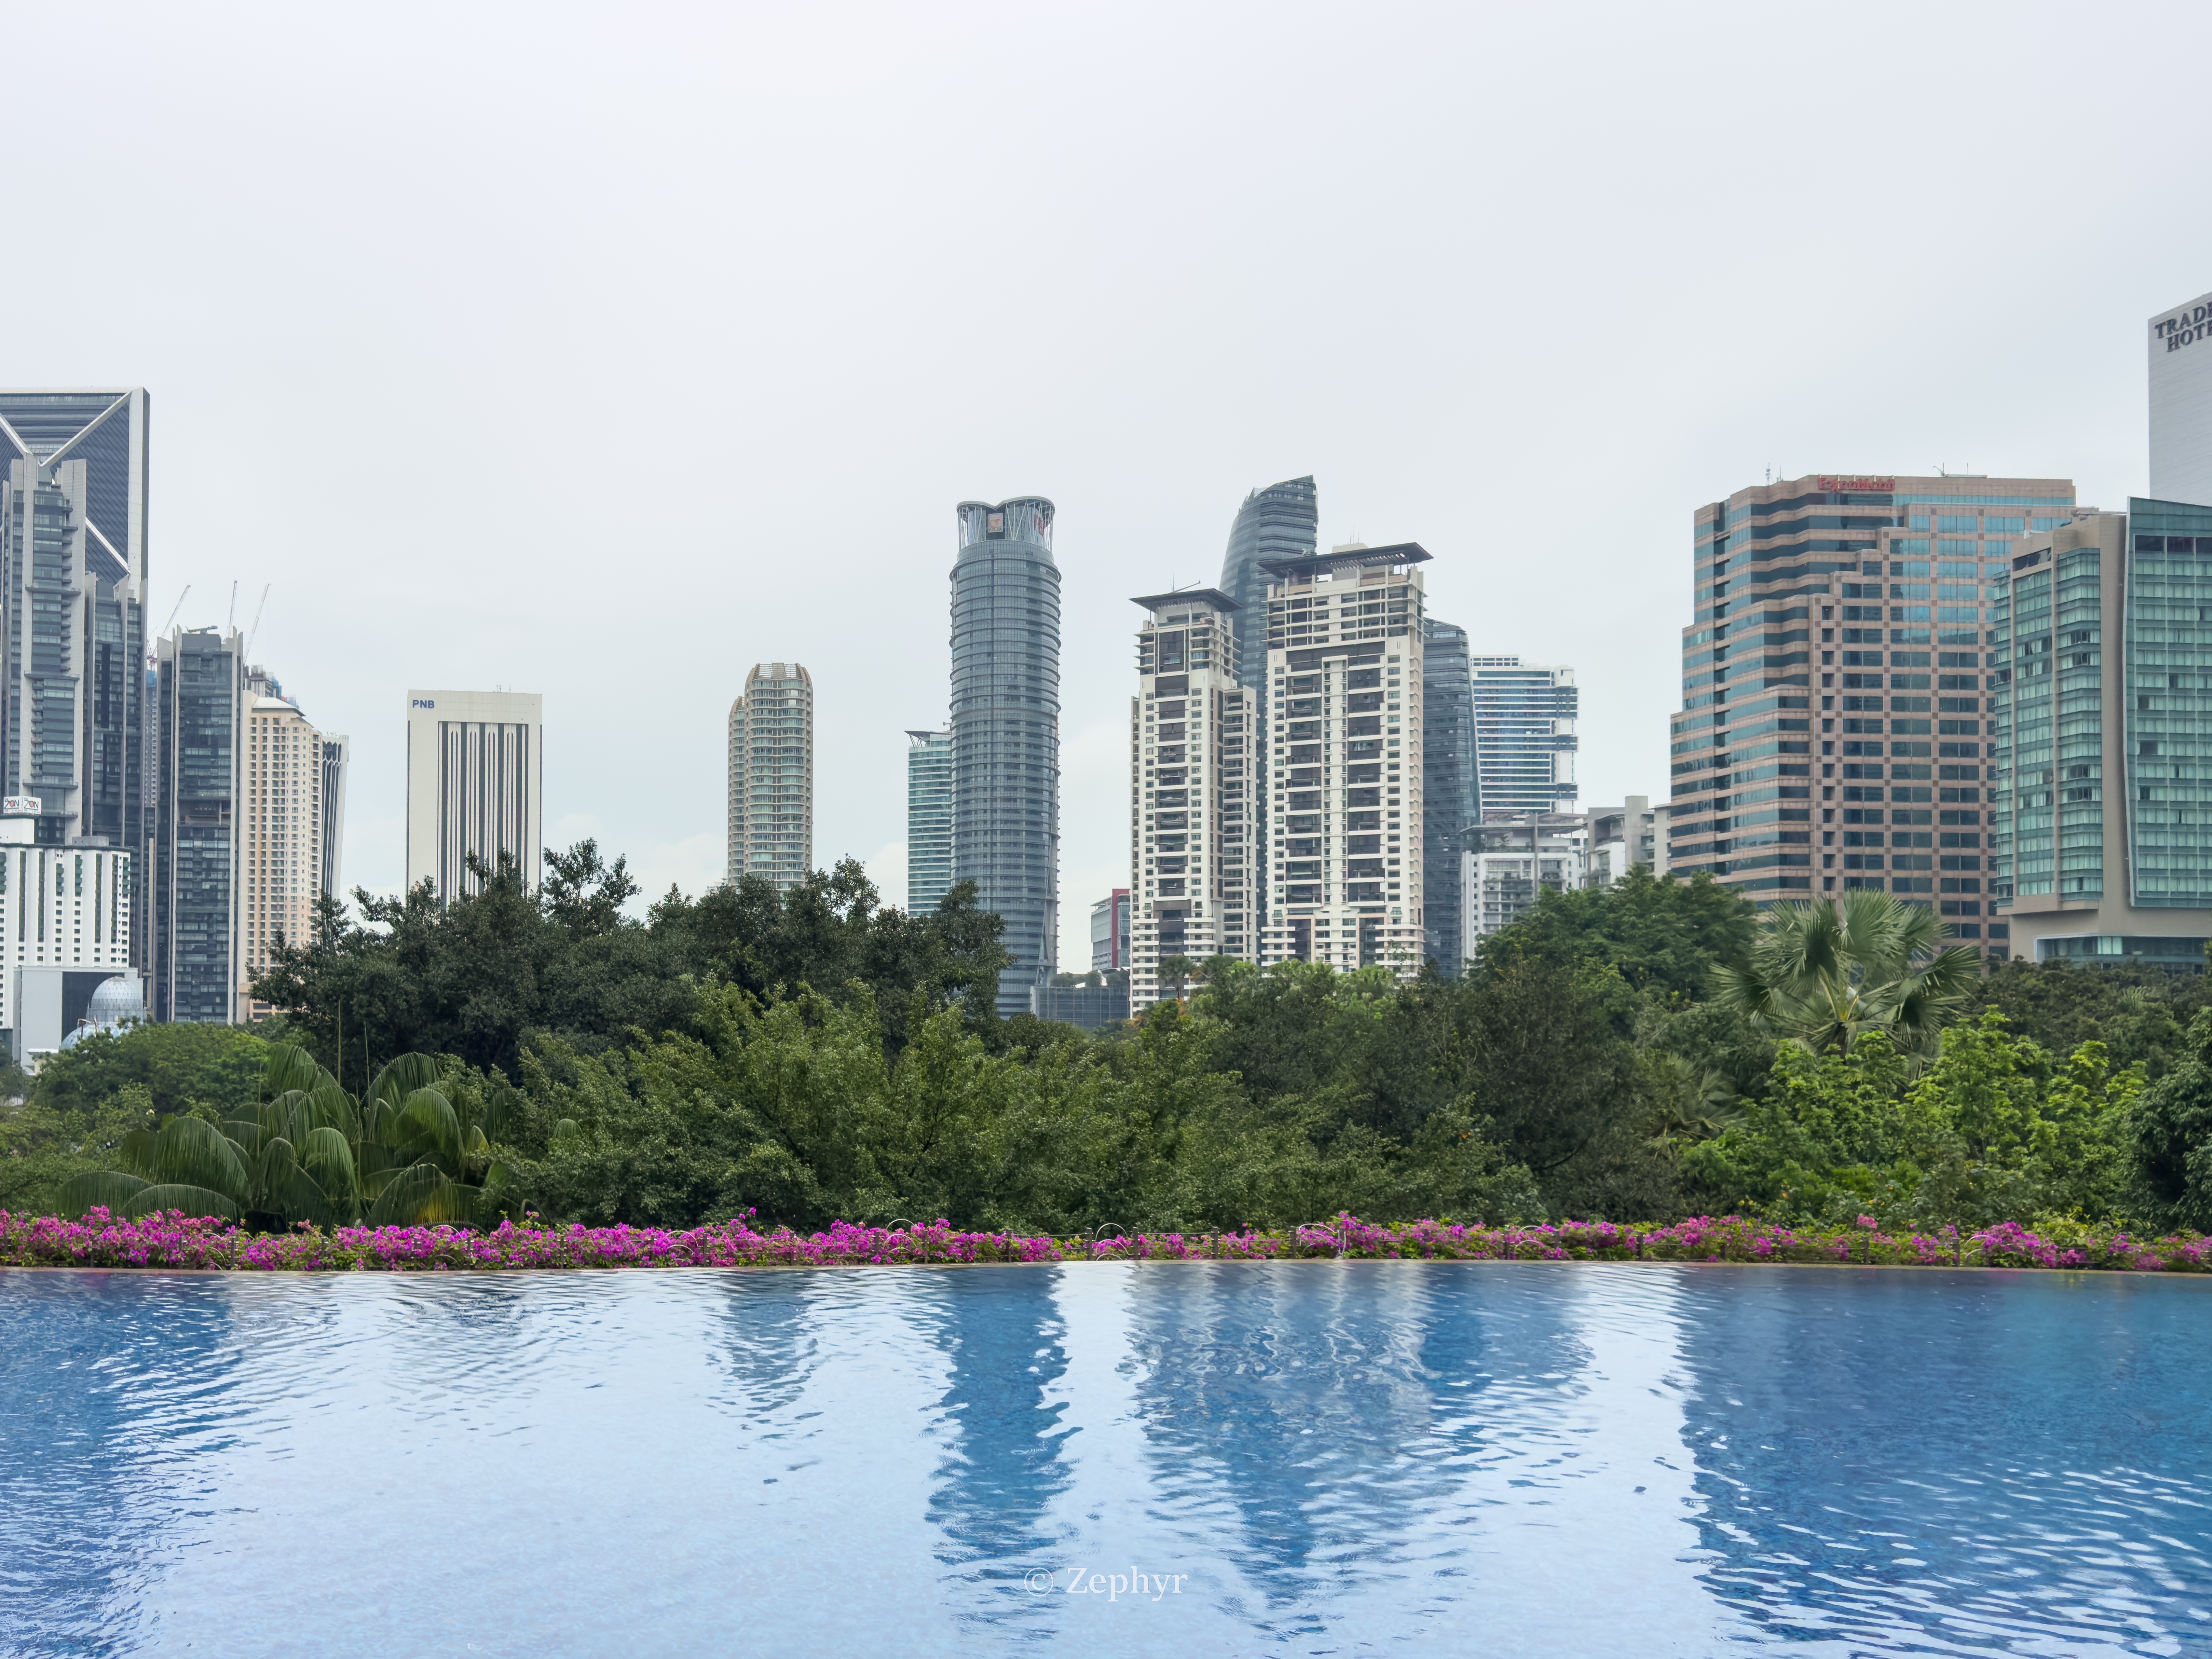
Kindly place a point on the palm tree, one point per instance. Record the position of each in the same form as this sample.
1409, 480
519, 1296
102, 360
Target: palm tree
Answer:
1821, 975
310, 1152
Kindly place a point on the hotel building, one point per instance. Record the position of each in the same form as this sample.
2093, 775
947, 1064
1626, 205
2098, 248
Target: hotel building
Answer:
1830, 735
1345, 749
2181, 403
771, 819
1193, 731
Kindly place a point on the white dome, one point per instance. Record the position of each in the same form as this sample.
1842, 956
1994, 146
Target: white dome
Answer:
114, 1000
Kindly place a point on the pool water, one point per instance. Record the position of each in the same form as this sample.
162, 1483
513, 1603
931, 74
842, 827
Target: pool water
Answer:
1303, 1458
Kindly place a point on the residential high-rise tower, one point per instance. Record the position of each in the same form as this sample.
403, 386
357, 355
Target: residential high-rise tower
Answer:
1831, 734
1006, 731
928, 820
475, 786
1525, 738
2100, 745
772, 776
1193, 729
73, 591
291, 788
1281, 521
1343, 764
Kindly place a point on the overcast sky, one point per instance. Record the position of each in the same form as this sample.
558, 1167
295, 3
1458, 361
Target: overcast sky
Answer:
604, 350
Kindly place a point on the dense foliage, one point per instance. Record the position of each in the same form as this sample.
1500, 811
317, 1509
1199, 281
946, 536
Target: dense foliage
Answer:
816, 1056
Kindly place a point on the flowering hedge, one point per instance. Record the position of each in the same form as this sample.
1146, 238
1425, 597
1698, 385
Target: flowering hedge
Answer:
173, 1240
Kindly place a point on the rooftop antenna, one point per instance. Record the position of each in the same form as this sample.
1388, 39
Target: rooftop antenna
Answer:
258, 610
172, 623
230, 623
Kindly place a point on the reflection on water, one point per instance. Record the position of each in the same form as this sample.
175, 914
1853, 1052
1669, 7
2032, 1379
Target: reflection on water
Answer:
1303, 1458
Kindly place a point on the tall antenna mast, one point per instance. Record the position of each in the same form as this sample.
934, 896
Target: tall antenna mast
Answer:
258, 610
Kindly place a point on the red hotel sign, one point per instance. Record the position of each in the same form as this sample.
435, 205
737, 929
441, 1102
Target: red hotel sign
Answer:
1842, 481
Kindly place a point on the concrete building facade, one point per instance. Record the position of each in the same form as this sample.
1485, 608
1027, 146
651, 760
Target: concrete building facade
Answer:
1193, 728
64, 911
2101, 765
2181, 403
290, 826
1511, 859
1344, 730
928, 820
771, 809
1006, 731
1109, 933
1830, 735
475, 786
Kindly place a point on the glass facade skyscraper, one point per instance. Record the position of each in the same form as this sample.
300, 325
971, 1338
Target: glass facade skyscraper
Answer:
199, 719
928, 820
1452, 800
1006, 731
1282, 521
1830, 735
73, 551
2100, 751
1525, 740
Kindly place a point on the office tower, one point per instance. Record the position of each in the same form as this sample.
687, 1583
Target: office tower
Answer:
198, 716
1087, 1007
1510, 858
772, 776
288, 833
331, 853
1109, 933
928, 820
2181, 403
1282, 521
1344, 769
1006, 731
1193, 729
73, 551
1524, 735
1450, 797
475, 786
2100, 745
64, 928
1831, 730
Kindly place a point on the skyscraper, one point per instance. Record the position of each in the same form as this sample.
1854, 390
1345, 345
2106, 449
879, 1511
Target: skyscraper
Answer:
291, 788
1789, 584
2181, 403
1193, 729
1109, 933
1006, 731
1525, 740
1344, 727
1282, 521
194, 952
772, 776
475, 786
73, 551
928, 820
1451, 798
2100, 745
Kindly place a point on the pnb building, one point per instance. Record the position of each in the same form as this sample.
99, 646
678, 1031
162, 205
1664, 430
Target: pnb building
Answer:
1193, 733
1344, 732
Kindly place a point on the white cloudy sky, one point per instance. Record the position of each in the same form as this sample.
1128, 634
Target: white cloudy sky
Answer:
604, 350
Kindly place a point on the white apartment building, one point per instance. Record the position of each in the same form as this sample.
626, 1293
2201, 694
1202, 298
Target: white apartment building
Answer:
1345, 745
1632, 833
771, 821
475, 786
1509, 859
291, 818
60, 907
1193, 736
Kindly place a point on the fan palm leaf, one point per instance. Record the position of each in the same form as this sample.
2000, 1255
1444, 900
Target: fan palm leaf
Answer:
113, 1188
196, 1153
181, 1195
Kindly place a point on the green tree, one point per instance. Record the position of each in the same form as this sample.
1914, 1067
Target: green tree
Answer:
180, 1067
43, 1147
2170, 1136
1823, 975
1660, 937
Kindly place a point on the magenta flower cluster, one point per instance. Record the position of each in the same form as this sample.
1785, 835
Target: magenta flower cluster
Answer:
174, 1241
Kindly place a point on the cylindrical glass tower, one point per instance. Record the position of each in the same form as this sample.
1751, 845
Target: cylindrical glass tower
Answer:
1006, 731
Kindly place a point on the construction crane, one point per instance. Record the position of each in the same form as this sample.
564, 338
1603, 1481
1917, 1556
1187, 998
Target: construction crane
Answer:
258, 610
172, 623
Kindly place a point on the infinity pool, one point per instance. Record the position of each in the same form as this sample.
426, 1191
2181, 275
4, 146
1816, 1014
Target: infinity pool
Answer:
1308, 1457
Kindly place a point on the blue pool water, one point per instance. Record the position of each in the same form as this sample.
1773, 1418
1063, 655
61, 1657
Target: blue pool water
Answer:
1308, 1457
